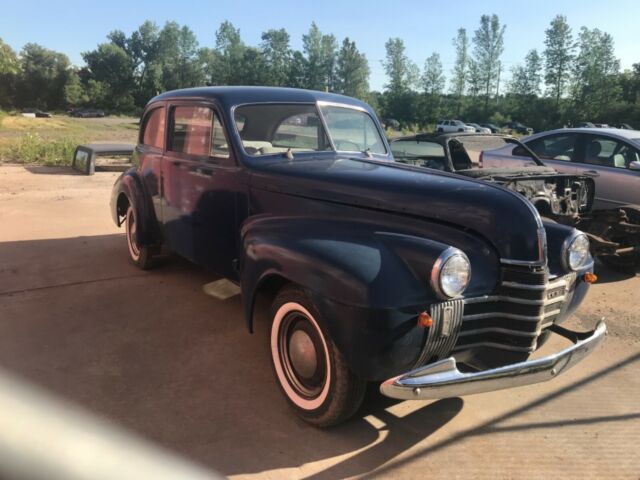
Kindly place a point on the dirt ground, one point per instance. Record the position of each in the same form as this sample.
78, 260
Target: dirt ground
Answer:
152, 353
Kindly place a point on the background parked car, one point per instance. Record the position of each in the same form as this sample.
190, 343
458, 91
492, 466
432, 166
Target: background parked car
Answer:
585, 125
479, 128
448, 126
518, 127
625, 126
491, 126
87, 113
35, 112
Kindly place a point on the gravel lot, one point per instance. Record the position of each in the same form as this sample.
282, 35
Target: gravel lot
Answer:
152, 353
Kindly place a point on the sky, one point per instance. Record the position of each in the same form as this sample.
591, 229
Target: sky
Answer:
74, 26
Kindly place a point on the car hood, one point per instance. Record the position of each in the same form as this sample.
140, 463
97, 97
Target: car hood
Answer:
502, 217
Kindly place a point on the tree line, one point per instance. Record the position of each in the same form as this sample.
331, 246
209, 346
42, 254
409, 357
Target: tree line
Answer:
575, 77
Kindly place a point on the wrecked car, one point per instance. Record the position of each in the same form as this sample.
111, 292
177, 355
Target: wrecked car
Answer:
559, 197
430, 283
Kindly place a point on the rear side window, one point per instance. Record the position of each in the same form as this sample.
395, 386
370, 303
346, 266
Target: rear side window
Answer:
554, 147
154, 128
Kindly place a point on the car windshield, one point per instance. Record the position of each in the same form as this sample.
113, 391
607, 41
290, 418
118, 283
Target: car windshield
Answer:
267, 129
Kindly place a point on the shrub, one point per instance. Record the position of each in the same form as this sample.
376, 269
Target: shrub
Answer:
33, 148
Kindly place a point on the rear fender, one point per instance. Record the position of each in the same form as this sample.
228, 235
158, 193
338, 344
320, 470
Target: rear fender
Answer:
129, 190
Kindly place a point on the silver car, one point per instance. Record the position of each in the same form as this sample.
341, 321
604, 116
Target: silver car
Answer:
610, 155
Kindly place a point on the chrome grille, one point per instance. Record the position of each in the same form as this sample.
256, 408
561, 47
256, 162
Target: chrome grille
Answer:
526, 302
443, 334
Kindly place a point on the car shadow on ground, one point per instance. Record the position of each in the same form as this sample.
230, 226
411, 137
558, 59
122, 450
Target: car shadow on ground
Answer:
151, 352
45, 170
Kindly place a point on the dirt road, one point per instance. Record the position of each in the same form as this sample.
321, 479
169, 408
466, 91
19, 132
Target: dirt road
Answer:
152, 353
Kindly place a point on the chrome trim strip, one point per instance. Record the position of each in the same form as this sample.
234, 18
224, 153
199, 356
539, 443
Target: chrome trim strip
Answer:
501, 346
443, 379
523, 263
562, 282
523, 301
438, 342
512, 316
509, 331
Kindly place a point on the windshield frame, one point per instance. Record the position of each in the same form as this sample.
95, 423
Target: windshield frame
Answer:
317, 104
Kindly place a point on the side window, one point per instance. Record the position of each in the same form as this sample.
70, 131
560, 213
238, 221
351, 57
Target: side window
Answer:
608, 152
554, 147
153, 128
192, 130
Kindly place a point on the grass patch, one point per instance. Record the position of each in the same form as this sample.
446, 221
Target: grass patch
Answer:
34, 148
52, 141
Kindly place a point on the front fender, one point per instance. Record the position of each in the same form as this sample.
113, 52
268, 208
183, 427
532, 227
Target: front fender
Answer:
130, 187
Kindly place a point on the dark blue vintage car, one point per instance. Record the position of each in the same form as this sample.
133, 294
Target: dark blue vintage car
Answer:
433, 284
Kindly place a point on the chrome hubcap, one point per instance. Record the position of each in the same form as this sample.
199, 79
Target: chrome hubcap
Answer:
303, 354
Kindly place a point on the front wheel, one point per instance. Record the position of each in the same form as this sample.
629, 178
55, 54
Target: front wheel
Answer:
311, 371
141, 255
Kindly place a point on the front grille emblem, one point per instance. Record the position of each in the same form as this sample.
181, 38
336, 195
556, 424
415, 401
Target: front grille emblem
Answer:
447, 321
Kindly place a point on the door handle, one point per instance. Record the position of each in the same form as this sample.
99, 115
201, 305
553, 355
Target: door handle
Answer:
591, 172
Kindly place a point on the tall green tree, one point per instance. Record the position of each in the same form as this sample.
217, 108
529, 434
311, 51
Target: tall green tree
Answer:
320, 51
525, 79
400, 70
596, 69
229, 57
488, 46
558, 57
178, 57
433, 79
277, 56
460, 72
352, 71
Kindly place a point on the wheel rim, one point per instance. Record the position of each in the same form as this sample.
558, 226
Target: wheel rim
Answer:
300, 356
131, 227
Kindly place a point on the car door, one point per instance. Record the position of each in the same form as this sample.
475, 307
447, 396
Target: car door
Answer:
200, 185
149, 151
607, 159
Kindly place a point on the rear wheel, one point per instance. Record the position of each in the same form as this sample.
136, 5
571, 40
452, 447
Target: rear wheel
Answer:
141, 255
311, 372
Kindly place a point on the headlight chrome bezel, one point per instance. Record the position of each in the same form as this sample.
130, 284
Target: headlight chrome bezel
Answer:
567, 249
438, 268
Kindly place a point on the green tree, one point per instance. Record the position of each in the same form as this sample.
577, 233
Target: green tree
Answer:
525, 79
9, 68
596, 68
558, 57
277, 56
433, 79
352, 71
229, 59
488, 45
460, 72
320, 51
178, 56
402, 72
112, 67
43, 76
296, 76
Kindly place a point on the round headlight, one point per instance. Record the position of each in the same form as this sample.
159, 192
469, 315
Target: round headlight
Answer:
451, 274
577, 254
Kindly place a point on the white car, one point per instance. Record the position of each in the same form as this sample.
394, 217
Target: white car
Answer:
449, 126
479, 129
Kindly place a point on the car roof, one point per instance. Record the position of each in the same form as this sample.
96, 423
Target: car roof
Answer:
612, 132
237, 95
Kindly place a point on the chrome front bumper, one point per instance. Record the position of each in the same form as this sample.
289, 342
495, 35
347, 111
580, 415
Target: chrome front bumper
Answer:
442, 379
